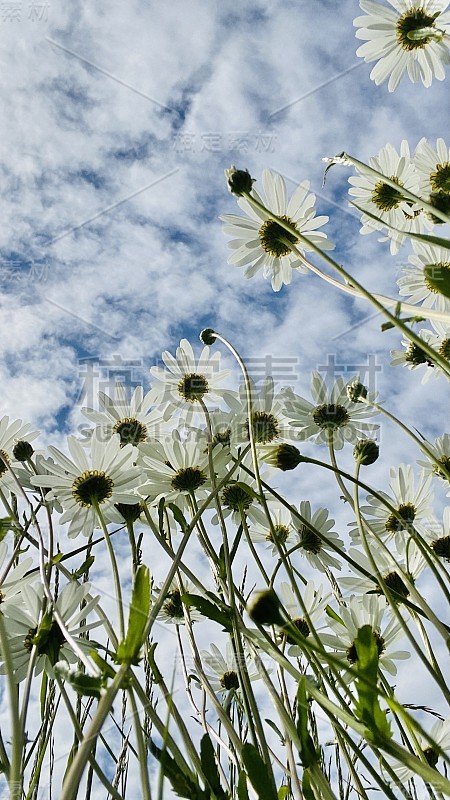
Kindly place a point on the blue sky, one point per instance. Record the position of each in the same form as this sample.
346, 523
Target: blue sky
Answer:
118, 120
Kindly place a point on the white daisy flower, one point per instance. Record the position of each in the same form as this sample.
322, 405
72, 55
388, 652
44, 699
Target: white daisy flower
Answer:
408, 560
440, 536
392, 209
107, 478
333, 413
315, 602
261, 243
440, 734
173, 610
133, 419
360, 611
316, 538
12, 434
186, 381
434, 165
270, 424
177, 469
415, 285
223, 671
441, 451
283, 528
25, 627
14, 579
412, 38
412, 356
412, 502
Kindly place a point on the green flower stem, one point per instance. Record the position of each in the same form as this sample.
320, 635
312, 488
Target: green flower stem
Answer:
407, 195
142, 749
436, 674
337, 472
134, 552
253, 548
436, 357
321, 783
75, 772
15, 776
115, 570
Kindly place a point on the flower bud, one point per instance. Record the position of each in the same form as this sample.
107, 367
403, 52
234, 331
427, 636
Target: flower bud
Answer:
207, 336
239, 181
264, 608
366, 452
22, 451
283, 456
356, 390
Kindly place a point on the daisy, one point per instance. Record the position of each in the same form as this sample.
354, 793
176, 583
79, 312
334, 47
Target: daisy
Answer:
333, 415
177, 469
316, 537
186, 381
14, 579
391, 208
270, 424
440, 536
409, 560
79, 485
223, 671
412, 38
360, 611
12, 434
441, 451
283, 534
26, 627
314, 601
133, 419
414, 283
173, 610
434, 166
440, 734
412, 356
261, 243
412, 502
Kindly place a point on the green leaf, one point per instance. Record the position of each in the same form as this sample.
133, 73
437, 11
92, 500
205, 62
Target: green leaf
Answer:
178, 515
209, 767
209, 610
368, 709
106, 668
438, 277
161, 506
85, 567
258, 772
308, 793
308, 752
82, 684
277, 731
242, 791
184, 784
283, 792
128, 650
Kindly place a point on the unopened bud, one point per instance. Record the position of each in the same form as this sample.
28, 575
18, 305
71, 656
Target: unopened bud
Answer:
356, 390
264, 608
366, 452
239, 181
22, 451
207, 336
283, 456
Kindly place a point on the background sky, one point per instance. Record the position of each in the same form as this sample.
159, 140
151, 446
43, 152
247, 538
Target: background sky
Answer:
118, 120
